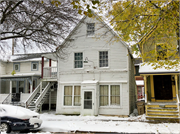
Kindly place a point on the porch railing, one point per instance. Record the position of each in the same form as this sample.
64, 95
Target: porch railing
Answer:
50, 72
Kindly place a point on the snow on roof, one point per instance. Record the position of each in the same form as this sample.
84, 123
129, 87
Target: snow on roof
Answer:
146, 69
139, 82
20, 75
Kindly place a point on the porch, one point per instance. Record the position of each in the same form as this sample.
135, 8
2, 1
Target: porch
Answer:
161, 96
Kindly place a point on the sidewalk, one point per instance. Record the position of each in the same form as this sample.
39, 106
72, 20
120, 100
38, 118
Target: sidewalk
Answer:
94, 124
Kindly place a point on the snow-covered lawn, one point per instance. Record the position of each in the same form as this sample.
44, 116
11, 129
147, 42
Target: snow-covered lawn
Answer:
61, 123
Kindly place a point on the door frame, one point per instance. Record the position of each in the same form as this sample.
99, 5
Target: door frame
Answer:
153, 99
88, 111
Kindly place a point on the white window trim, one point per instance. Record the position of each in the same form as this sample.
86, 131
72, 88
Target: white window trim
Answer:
109, 87
73, 66
32, 66
18, 67
108, 60
87, 29
72, 96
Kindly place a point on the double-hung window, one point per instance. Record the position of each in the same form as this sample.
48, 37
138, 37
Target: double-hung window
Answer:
90, 29
78, 60
161, 50
109, 95
72, 95
34, 66
103, 59
16, 67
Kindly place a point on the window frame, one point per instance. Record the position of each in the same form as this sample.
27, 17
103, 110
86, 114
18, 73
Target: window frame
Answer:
107, 59
109, 96
161, 50
78, 61
14, 64
32, 66
73, 96
90, 30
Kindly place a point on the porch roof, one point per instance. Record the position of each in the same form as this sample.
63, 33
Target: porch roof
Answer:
148, 69
20, 75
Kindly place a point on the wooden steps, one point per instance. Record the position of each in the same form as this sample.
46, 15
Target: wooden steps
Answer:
162, 111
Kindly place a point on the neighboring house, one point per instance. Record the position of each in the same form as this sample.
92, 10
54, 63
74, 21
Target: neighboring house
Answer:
139, 80
20, 76
161, 85
97, 77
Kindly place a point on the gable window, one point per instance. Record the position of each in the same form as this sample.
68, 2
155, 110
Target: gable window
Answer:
34, 66
109, 95
161, 50
90, 29
72, 95
16, 67
78, 60
103, 59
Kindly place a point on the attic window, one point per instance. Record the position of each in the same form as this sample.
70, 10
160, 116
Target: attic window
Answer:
161, 50
90, 29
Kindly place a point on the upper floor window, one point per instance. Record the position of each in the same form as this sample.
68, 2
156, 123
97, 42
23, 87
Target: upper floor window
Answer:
161, 50
103, 59
34, 66
90, 29
16, 67
78, 60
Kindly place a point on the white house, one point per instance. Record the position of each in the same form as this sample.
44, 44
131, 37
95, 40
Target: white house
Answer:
97, 76
17, 87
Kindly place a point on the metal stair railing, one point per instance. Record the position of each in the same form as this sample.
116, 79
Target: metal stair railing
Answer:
41, 96
33, 94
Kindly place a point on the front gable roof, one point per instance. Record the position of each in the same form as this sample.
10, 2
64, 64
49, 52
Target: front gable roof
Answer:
103, 22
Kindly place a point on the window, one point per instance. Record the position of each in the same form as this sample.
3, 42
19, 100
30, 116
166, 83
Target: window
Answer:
78, 60
109, 95
90, 29
72, 95
161, 50
16, 67
103, 59
34, 66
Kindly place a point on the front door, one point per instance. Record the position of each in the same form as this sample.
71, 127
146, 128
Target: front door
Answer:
163, 87
88, 102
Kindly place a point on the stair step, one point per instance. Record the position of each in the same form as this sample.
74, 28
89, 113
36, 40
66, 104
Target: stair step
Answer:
162, 115
161, 109
149, 117
163, 112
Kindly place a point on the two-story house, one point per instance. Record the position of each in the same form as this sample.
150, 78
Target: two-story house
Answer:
21, 75
97, 76
162, 84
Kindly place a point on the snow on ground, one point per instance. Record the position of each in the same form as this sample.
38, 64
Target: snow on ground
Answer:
61, 123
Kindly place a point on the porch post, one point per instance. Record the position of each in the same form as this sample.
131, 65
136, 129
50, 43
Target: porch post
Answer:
10, 90
49, 62
42, 66
49, 100
31, 85
146, 95
176, 81
152, 88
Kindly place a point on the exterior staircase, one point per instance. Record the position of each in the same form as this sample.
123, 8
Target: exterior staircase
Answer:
159, 111
38, 97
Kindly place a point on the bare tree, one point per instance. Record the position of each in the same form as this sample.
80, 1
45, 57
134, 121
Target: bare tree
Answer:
33, 23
